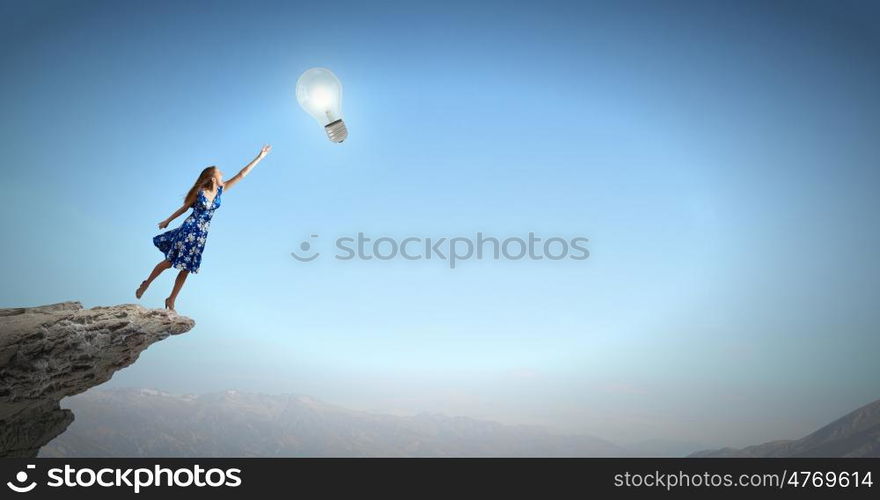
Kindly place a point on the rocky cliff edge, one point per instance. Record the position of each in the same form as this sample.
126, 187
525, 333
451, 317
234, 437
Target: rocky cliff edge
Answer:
52, 351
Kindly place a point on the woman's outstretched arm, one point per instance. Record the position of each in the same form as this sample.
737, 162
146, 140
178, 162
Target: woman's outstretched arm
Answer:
247, 168
164, 223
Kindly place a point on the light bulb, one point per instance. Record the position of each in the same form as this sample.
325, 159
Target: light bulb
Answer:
319, 93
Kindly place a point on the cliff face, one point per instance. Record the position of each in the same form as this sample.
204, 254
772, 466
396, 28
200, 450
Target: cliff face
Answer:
49, 352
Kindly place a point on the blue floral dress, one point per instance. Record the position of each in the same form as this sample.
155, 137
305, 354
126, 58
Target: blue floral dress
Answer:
184, 245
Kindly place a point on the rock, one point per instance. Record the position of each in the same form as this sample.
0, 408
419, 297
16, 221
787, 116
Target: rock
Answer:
32, 428
49, 352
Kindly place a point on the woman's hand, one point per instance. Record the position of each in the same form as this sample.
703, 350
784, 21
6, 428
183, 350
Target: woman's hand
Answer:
247, 168
163, 224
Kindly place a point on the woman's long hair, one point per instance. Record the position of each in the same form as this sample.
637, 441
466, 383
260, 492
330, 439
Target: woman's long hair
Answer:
205, 181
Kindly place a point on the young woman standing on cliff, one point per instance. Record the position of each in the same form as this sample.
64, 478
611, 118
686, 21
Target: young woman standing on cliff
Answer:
183, 246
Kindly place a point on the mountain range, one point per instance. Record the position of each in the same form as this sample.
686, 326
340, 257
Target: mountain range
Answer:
856, 434
150, 423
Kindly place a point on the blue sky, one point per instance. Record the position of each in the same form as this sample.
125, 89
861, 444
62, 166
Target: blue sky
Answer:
721, 158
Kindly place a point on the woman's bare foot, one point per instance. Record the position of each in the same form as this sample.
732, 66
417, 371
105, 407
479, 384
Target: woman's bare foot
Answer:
141, 289
169, 304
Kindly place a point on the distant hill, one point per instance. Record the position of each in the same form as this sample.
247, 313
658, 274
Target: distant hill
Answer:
854, 435
144, 422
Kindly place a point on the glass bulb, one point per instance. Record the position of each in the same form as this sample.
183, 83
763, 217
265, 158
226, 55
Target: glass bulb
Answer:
319, 93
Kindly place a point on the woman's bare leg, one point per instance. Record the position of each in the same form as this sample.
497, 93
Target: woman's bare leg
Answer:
178, 284
156, 272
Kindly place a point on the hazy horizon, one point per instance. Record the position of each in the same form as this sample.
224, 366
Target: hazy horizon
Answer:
720, 157
656, 446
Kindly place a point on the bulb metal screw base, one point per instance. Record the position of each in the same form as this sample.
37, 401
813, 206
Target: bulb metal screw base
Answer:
336, 131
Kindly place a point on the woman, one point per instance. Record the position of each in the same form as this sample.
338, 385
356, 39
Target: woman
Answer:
184, 245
